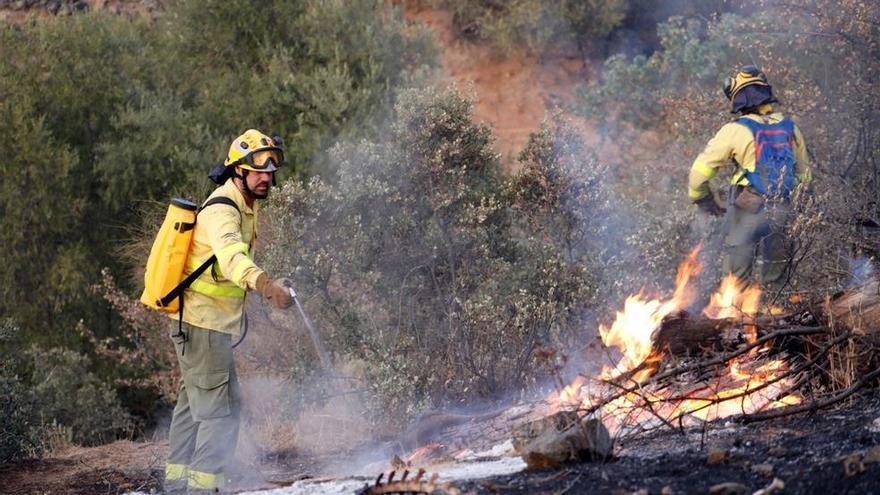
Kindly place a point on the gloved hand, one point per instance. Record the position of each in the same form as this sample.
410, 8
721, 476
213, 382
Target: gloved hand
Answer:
275, 291
709, 205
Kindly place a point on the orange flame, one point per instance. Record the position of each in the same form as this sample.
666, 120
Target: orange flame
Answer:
741, 389
633, 330
733, 299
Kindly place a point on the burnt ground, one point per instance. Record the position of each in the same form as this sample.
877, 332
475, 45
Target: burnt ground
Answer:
807, 452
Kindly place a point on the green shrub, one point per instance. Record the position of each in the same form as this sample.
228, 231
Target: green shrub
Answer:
19, 429
19, 433
657, 112
535, 25
102, 115
420, 262
67, 393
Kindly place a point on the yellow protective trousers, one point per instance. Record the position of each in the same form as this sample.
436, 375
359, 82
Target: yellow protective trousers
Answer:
204, 425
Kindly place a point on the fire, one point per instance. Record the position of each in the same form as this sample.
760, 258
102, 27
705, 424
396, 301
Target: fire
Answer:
733, 299
633, 330
746, 386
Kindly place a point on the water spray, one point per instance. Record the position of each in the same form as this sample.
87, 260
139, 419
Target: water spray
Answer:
313, 334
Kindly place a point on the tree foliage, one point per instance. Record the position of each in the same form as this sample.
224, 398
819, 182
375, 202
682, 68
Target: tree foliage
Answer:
535, 25
822, 61
104, 116
428, 264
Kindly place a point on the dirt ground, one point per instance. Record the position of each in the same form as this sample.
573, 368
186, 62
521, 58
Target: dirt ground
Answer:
117, 467
514, 91
828, 452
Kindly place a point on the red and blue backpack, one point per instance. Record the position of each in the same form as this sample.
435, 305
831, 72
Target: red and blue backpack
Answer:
774, 157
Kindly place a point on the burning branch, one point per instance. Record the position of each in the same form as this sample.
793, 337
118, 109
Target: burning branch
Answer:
733, 359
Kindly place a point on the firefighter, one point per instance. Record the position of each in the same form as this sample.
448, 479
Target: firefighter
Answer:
770, 158
204, 425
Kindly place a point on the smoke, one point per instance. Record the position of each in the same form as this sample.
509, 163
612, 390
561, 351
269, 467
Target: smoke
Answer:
631, 244
861, 271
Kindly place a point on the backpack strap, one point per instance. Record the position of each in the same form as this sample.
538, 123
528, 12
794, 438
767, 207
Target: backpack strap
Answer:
220, 200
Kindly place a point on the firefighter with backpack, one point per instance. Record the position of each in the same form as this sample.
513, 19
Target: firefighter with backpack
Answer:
771, 159
200, 268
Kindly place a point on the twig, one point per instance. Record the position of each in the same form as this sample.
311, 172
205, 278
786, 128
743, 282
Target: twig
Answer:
570, 485
648, 404
721, 359
812, 406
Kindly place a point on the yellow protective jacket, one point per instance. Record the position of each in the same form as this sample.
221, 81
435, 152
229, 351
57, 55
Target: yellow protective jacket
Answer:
215, 300
735, 142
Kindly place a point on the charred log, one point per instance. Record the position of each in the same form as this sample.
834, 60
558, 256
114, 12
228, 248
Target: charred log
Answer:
683, 334
857, 309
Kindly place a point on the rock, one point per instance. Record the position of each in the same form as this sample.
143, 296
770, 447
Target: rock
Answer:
79, 7
53, 6
872, 455
765, 470
717, 456
667, 490
775, 487
853, 465
777, 452
525, 433
586, 440
729, 488
875, 426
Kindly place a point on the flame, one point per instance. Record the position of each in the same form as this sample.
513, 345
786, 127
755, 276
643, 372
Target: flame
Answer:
633, 330
733, 299
745, 387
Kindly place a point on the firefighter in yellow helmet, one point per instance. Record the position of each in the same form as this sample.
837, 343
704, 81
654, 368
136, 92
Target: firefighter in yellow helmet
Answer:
770, 158
204, 426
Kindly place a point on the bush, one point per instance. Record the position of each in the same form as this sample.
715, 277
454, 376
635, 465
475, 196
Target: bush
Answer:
423, 261
535, 25
68, 394
19, 432
106, 115
49, 398
658, 111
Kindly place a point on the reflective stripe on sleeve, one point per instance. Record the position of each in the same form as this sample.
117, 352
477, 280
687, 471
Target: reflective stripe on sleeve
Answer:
739, 178
199, 480
695, 194
210, 289
238, 247
242, 265
704, 170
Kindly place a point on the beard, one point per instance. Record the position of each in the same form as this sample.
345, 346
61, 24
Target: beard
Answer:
251, 192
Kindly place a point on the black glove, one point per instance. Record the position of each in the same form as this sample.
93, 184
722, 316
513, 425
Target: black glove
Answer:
707, 204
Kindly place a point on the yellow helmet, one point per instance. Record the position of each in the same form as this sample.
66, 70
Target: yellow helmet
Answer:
255, 151
748, 75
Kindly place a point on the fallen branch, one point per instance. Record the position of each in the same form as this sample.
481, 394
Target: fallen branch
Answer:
813, 406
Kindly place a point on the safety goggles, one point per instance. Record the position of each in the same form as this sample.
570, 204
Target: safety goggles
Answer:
263, 159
